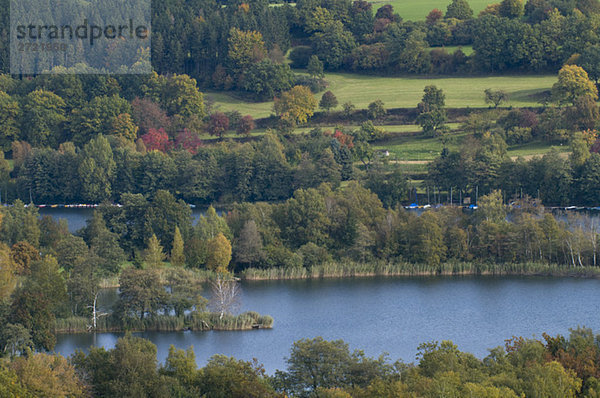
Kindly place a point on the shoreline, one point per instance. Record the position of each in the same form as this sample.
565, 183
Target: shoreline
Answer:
379, 269
356, 270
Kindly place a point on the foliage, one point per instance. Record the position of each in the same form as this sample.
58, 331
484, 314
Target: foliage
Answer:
376, 110
315, 67
495, 97
219, 253
459, 9
328, 101
573, 82
177, 256
296, 105
154, 255
156, 140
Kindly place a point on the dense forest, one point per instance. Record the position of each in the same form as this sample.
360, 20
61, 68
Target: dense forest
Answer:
189, 38
552, 367
87, 139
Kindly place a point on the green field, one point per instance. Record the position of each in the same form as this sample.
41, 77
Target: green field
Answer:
414, 149
418, 10
467, 50
406, 92
225, 102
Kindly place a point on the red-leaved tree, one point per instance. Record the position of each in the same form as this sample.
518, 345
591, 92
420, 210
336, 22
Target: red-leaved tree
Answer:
246, 125
156, 140
149, 115
188, 140
218, 124
344, 139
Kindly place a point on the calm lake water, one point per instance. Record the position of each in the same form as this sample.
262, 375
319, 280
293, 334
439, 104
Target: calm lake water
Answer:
76, 218
391, 315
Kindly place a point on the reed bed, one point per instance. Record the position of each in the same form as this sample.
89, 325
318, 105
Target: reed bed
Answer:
164, 323
379, 268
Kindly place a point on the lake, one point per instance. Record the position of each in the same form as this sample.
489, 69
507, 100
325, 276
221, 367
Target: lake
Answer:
391, 315
76, 218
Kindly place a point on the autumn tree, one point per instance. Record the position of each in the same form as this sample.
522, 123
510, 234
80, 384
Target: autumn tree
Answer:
23, 254
246, 125
573, 82
148, 114
46, 375
245, 48
296, 105
218, 124
434, 16
156, 140
219, 253
123, 127
183, 101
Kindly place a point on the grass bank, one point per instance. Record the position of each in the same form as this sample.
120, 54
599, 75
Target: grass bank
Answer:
351, 270
196, 322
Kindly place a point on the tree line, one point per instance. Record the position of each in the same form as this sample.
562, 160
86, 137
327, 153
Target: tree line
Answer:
555, 366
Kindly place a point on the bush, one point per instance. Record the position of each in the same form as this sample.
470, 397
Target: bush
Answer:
278, 256
518, 135
376, 110
313, 254
315, 85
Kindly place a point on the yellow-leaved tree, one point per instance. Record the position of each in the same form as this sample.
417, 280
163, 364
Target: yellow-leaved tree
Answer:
219, 253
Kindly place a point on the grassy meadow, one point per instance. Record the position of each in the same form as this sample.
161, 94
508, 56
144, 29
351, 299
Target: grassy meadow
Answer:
406, 92
418, 10
404, 142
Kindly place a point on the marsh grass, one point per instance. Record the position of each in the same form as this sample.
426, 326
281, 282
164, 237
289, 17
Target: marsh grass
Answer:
202, 321
380, 268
